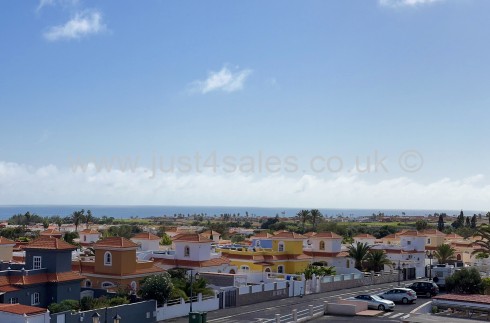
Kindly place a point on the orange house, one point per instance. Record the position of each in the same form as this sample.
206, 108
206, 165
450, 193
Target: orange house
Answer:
114, 265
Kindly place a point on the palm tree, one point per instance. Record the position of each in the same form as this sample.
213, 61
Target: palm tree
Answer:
303, 216
377, 259
77, 217
358, 252
315, 216
88, 218
483, 243
444, 253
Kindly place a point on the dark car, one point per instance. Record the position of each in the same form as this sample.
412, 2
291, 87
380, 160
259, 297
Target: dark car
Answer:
427, 289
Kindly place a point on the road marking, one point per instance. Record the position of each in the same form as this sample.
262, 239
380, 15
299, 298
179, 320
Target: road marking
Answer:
386, 314
405, 317
418, 308
396, 315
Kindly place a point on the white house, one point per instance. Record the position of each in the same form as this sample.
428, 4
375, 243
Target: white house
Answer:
192, 251
365, 238
147, 241
327, 247
88, 236
17, 313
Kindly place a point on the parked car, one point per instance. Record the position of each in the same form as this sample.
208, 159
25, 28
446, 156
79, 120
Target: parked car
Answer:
374, 302
403, 295
426, 288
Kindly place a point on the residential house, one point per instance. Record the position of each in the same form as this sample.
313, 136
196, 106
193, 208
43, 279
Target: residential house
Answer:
6, 249
147, 241
213, 235
435, 238
17, 313
326, 247
89, 236
51, 233
195, 252
365, 238
44, 278
114, 265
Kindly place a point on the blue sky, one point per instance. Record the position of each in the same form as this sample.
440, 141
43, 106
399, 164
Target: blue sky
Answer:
94, 80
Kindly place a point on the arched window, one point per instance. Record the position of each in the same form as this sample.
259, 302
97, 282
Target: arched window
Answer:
107, 285
107, 259
267, 270
133, 285
232, 271
458, 257
322, 245
347, 263
280, 269
88, 283
280, 246
84, 238
187, 251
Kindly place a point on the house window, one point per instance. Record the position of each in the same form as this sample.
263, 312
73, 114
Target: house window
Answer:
428, 241
107, 285
36, 262
14, 300
84, 238
280, 246
88, 283
257, 243
347, 263
322, 245
280, 269
244, 268
267, 270
35, 299
107, 259
409, 242
187, 251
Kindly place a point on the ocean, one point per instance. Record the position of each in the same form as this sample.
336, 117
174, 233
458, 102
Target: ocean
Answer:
144, 211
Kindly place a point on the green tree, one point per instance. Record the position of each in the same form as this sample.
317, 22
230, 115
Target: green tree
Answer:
376, 259
70, 236
465, 281
358, 252
88, 218
483, 243
318, 271
77, 217
468, 222
65, 305
157, 287
421, 225
473, 222
303, 216
166, 240
315, 216
444, 253
440, 223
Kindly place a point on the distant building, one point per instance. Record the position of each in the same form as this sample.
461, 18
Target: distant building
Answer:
51, 233
147, 241
89, 236
6, 249
326, 247
365, 238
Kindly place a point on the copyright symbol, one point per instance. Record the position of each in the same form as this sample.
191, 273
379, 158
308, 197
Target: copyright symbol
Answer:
411, 161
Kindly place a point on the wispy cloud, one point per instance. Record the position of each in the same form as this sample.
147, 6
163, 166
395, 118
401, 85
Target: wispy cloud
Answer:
83, 24
225, 80
25, 184
406, 3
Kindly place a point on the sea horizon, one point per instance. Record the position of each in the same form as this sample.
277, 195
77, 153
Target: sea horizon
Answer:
147, 211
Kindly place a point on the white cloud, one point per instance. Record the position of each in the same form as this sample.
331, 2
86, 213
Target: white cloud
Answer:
51, 3
82, 24
406, 3
223, 80
23, 184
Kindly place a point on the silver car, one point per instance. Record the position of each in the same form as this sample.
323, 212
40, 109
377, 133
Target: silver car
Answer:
403, 295
375, 302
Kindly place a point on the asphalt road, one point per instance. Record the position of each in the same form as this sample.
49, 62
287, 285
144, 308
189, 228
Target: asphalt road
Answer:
265, 312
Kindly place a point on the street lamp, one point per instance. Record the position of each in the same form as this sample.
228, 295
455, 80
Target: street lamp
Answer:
196, 276
95, 317
430, 255
116, 318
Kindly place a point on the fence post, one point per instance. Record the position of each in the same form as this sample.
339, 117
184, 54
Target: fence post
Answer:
310, 308
278, 318
295, 315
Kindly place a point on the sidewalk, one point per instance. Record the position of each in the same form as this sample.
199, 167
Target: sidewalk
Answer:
428, 318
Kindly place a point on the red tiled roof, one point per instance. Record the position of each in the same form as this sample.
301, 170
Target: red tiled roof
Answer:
327, 235
482, 299
8, 288
50, 232
115, 242
453, 236
261, 235
191, 237
145, 236
44, 278
309, 234
5, 241
49, 242
288, 235
21, 309
433, 232
412, 233
191, 263
90, 231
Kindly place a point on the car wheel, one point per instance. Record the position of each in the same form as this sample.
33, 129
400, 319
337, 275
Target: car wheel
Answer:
405, 300
428, 295
381, 307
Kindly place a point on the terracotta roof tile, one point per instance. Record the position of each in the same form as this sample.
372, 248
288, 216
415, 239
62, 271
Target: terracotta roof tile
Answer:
21, 309
90, 231
288, 235
5, 241
433, 232
51, 232
191, 237
115, 242
192, 263
327, 235
48, 242
145, 236
364, 236
412, 233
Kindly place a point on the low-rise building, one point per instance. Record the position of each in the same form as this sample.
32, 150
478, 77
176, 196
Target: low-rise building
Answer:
146, 241
89, 236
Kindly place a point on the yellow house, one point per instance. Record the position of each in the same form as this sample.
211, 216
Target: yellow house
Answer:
435, 238
285, 257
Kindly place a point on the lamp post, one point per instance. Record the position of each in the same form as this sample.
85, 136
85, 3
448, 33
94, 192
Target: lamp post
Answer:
430, 255
95, 317
192, 280
116, 318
